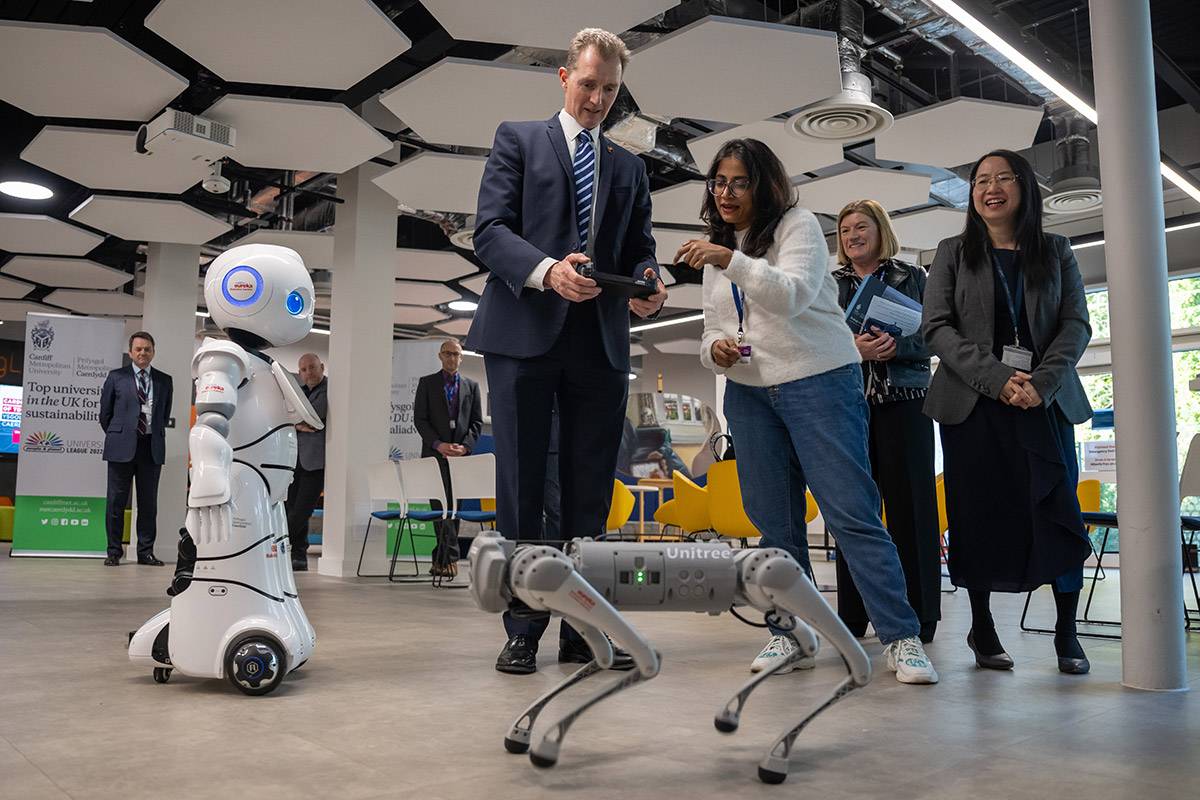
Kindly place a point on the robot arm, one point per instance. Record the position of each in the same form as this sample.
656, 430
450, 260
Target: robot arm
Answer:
218, 367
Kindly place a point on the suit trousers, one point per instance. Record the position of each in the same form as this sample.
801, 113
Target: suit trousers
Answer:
303, 494
901, 447
121, 475
591, 401
446, 551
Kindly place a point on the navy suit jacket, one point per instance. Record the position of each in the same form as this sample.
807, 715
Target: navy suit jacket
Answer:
527, 213
120, 409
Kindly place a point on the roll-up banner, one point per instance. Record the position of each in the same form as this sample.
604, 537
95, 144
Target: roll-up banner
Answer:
61, 478
411, 361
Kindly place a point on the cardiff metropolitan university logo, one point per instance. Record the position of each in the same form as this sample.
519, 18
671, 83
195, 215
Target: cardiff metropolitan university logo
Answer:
44, 442
42, 335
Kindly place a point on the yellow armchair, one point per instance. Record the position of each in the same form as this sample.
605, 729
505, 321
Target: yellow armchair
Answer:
621, 508
726, 512
688, 511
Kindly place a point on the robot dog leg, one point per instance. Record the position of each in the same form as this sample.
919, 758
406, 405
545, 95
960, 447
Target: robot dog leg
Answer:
597, 580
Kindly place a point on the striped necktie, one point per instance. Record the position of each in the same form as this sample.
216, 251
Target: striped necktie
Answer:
584, 166
143, 392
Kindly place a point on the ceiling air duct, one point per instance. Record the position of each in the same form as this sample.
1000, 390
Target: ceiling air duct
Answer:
850, 115
1075, 182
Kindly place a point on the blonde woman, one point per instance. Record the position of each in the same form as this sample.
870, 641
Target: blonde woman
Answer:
900, 436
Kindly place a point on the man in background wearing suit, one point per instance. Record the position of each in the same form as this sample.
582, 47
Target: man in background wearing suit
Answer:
135, 405
556, 194
309, 479
449, 417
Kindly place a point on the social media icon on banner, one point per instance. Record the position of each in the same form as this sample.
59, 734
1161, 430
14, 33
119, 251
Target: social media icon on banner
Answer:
64, 521
75, 521
45, 521
85, 522
54, 521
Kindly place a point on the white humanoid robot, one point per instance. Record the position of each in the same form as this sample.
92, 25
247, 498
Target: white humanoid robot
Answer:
235, 612
593, 582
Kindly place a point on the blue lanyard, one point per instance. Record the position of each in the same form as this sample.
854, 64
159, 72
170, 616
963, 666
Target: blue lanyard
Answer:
451, 392
738, 303
1014, 303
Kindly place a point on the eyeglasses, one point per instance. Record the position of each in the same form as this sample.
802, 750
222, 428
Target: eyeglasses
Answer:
734, 188
451, 353
1003, 180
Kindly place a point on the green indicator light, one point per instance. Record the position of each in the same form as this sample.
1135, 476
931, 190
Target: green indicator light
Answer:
639, 576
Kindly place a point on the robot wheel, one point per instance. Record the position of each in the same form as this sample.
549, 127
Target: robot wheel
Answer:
255, 664
161, 674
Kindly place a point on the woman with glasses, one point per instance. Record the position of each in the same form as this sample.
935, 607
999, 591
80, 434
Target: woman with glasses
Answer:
794, 396
1005, 313
895, 379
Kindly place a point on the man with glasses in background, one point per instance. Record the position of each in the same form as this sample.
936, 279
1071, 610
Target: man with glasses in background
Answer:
449, 417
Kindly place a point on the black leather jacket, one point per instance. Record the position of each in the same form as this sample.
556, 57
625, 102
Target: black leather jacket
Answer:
910, 367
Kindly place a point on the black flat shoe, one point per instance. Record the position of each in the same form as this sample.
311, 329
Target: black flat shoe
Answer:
519, 656
1074, 666
1076, 663
1001, 661
112, 561
576, 651
150, 562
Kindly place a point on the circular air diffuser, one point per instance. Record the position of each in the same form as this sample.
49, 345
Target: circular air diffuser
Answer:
848, 116
464, 238
1073, 196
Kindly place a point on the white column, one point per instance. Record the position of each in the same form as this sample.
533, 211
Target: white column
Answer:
169, 315
1152, 653
360, 365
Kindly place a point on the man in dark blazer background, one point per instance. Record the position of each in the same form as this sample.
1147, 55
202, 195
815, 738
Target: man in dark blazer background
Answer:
135, 406
448, 414
308, 481
556, 194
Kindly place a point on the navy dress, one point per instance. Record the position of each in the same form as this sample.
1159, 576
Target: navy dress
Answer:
1011, 477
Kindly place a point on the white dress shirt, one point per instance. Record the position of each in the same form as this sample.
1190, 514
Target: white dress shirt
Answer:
571, 129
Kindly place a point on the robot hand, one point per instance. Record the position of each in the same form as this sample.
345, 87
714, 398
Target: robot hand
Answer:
210, 524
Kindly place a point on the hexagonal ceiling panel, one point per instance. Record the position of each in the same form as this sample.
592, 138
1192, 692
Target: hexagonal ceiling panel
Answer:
311, 42
413, 293
476, 283
679, 204
431, 265
667, 242
764, 69
14, 290
922, 230
435, 181
314, 247
491, 92
415, 315
455, 327
798, 155
143, 219
979, 126
103, 159
37, 233
66, 273
534, 22
890, 188
679, 347
83, 72
281, 133
685, 295
111, 304
15, 310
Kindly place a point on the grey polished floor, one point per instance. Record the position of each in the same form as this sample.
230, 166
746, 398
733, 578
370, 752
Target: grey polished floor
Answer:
401, 700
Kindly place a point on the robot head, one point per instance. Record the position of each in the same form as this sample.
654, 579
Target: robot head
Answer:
261, 294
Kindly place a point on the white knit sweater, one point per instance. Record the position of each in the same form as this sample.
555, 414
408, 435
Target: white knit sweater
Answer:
792, 319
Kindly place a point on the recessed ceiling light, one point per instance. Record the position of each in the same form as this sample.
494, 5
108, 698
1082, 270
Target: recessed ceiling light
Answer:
25, 190
463, 305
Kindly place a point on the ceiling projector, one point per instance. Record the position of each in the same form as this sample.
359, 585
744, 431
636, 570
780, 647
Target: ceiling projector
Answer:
186, 136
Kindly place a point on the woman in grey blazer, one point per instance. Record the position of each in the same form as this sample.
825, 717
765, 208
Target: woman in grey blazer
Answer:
1005, 313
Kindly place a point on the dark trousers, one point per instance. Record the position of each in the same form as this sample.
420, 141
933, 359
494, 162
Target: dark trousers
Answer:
591, 402
446, 551
303, 494
901, 449
121, 475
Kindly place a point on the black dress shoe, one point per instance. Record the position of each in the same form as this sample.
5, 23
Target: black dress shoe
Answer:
150, 562
299, 566
112, 561
519, 656
576, 651
1001, 661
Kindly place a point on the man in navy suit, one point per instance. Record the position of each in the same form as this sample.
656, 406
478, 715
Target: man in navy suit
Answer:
135, 406
556, 194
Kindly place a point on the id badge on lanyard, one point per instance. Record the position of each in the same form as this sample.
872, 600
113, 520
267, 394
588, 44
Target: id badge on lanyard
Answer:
1014, 355
739, 302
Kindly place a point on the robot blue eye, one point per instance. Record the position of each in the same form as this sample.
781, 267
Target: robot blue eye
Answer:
295, 304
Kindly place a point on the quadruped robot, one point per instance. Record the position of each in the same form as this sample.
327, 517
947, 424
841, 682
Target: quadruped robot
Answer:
591, 580
235, 611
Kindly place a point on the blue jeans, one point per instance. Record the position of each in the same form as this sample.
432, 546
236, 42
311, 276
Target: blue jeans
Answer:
813, 432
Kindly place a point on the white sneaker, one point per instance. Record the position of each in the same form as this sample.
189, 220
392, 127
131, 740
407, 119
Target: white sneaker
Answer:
781, 647
906, 658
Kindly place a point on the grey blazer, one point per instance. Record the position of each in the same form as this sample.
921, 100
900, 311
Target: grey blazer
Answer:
311, 446
959, 321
